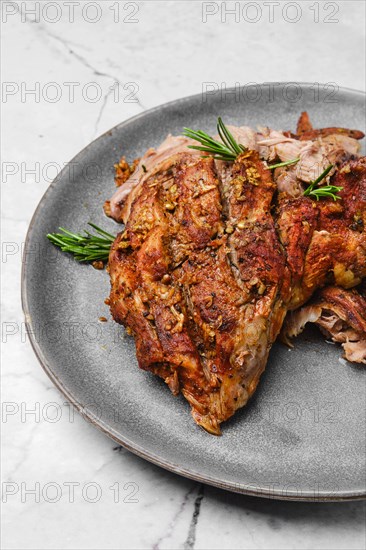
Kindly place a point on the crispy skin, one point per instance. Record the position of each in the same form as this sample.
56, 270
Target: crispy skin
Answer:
203, 304
323, 132
305, 130
129, 181
234, 288
304, 124
352, 177
143, 296
325, 241
255, 251
154, 306
341, 316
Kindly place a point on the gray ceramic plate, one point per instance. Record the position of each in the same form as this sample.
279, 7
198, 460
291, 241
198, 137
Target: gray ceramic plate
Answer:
302, 437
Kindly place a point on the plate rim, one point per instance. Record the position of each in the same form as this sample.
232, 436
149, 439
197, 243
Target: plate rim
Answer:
305, 496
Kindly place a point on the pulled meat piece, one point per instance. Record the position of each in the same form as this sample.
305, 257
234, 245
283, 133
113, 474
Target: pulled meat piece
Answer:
316, 149
340, 315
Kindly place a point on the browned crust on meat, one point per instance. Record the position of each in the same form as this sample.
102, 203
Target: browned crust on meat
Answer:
305, 130
202, 295
325, 241
123, 170
297, 219
352, 178
304, 124
322, 132
255, 250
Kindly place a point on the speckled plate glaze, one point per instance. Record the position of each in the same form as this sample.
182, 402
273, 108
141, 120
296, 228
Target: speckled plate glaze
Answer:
302, 437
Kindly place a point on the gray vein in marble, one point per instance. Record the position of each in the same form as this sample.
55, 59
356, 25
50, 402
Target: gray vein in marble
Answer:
170, 530
191, 538
17, 375
105, 465
101, 110
67, 44
70, 47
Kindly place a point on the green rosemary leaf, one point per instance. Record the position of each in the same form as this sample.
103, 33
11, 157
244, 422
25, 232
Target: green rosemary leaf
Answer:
101, 231
227, 150
312, 185
87, 247
232, 144
326, 190
322, 175
286, 163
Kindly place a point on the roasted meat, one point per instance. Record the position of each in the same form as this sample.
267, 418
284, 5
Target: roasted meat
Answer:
203, 293
214, 254
119, 205
340, 315
325, 241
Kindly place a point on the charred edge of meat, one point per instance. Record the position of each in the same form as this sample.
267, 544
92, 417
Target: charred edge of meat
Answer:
303, 124
124, 170
306, 131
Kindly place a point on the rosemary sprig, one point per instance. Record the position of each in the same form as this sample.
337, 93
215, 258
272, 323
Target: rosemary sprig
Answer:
326, 191
286, 163
85, 247
228, 150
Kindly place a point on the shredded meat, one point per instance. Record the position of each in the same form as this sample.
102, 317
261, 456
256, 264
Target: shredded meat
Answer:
341, 316
315, 152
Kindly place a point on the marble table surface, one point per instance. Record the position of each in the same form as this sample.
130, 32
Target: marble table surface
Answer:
70, 71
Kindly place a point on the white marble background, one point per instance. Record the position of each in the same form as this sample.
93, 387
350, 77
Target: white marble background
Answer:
167, 53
